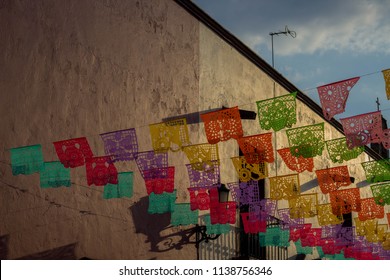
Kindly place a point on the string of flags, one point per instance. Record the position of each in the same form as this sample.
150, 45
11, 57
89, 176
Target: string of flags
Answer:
305, 143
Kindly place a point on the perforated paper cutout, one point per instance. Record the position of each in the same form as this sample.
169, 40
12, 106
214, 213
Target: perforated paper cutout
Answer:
370, 210
208, 177
306, 141
277, 113
363, 129
151, 160
222, 125
121, 145
201, 155
274, 236
54, 175
333, 97
257, 148
377, 170
253, 225
386, 77
303, 206
381, 193
345, 201
363, 228
215, 228
263, 211
160, 180
26, 160
297, 164
170, 135
333, 178
339, 152
182, 215
247, 171
244, 193
303, 250
378, 234
330, 231
73, 152
284, 187
312, 238
199, 199
297, 233
345, 236
124, 188
101, 171
223, 213
162, 203
326, 217
329, 247
287, 222
386, 138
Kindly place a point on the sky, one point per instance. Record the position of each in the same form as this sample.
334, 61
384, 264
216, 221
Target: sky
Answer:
335, 40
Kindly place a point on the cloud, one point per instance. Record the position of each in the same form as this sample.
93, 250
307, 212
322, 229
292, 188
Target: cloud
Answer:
358, 26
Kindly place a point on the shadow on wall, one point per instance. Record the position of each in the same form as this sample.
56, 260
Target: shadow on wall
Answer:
160, 233
4, 247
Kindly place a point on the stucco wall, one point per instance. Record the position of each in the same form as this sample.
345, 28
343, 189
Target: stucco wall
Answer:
80, 68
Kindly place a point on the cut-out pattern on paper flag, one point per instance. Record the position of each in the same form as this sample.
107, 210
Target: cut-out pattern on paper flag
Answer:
287, 222
377, 234
345, 201
151, 160
222, 125
160, 180
364, 227
170, 135
201, 155
162, 203
377, 170
101, 171
312, 238
363, 129
247, 171
329, 247
257, 148
54, 175
121, 145
73, 152
253, 225
183, 215
345, 236
274, 236
215, 228
284, 187
199, 198
330, 231
306, 141
381, 193
333, 97
263, 211
370, 210
303, 250
26, 160
303, 206
223, 213
333, 178
124, 188
386, 76
386, 138
297, 233
297, 164
244, 193
338, 150
326, 217
208, 177
277, 113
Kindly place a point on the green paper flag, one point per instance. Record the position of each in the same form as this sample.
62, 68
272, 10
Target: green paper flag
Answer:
54, 175
338, 150
124, 188
183, 215
162, 203
377, 170
215, 228
306, 141
26, 160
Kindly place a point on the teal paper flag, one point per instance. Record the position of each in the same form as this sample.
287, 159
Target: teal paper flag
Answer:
183, 215
26, 160
161, 203
215, 228
303, 250
54, 175
124, 188
275, 236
